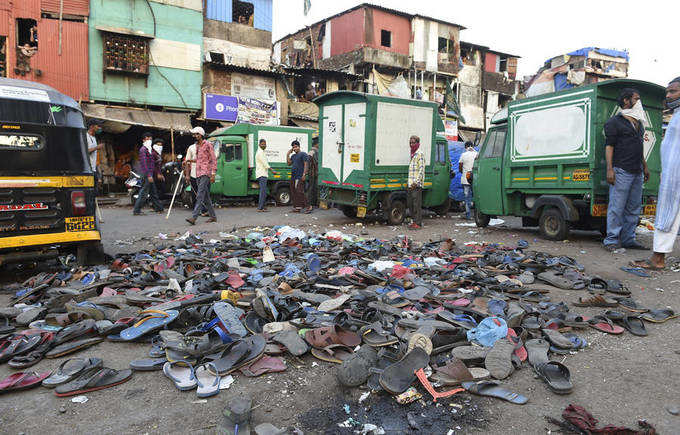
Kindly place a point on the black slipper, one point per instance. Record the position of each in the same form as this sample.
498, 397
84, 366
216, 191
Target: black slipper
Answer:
396, 378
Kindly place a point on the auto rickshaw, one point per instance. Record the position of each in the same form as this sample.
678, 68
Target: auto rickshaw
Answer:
47, 192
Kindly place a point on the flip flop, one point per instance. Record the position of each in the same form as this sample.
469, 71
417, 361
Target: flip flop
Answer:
494, 389
71, 369
659, 316
355, 370
603, 324
520, 351
156, 321
555, 280
323, 337
463, 320
102, 378
335, 353
181, 374
230, 317
631, 305
455, 371
293, 342
422, 377
208, 383
148, 364
634, 325
22, 381
645, 264
537, 351
556, 338
470, 354
556, 375
239, 354
595, 301
615, 286
396, 378
73, 346
637, 271
254, 323
19, 345
498, 360
74, 331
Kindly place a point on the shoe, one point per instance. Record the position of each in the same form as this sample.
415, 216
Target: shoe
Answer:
612, 248
636, 246
414, 226
262, 210
158, 211
192, 221
140, 213
212, 220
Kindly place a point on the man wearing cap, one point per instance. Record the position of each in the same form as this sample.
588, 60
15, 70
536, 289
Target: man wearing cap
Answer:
206, 167
147, 165
94, 128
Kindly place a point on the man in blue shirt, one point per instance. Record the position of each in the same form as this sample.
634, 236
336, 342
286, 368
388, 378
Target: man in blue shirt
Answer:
299, 163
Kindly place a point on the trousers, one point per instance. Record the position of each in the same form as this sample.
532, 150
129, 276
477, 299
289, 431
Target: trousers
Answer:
415, 204
623, 210
148, 190
203, 201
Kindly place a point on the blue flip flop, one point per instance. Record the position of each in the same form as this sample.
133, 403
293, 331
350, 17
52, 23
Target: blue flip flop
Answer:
155, 321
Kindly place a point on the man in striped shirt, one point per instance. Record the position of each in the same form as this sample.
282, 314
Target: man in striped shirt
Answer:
416, 178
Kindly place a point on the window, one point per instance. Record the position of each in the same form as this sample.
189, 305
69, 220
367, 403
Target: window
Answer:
232, 152
467, 55
489, 144
499, 143
124, 53
447, 46
243, 13
27, 33
385, 38
441, 152
22, 142
3, 56
503, 64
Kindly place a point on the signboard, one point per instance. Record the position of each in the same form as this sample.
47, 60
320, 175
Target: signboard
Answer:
451, 126
237, 110
221, 107
21, 93
260, 88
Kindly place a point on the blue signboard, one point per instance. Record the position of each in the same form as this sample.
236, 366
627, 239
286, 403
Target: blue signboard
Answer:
221, 107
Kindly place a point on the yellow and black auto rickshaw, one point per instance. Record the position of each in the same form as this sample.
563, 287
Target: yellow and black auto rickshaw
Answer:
47, 195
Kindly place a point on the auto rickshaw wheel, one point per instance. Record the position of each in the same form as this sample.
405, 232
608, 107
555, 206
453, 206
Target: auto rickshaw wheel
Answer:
396, 212
481, 220
282, 195
349, 211
552, 225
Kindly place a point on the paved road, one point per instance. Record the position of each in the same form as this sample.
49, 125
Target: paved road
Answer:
619, 379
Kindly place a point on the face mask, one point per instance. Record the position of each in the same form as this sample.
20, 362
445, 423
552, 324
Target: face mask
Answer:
673, 104
147, 143
636, 112
158, 149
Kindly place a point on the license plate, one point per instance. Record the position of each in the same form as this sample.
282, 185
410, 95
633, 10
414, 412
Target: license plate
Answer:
649, 210
84, 223
580, 175
361, 212
323, 205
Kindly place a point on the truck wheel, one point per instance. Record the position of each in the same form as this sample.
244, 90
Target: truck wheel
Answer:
552, 225
443, 208
396, 212
349, 211
481, 220
282, 195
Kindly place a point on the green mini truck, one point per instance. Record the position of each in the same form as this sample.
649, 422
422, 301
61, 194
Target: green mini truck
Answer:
544, 158
364, 157
235, 149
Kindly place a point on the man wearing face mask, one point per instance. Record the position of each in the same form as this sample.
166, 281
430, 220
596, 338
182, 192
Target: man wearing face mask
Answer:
667, 222
626, 169
147, 164
158, 160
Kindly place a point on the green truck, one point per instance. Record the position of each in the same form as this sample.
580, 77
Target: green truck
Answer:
235, 148
364, 157
544, 158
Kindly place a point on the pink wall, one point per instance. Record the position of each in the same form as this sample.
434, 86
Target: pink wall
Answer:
490, 62
398, 25
347, 32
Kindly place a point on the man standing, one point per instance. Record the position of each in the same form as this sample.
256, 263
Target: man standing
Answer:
313, 188
190, 172
93, 129
299, 163
206, 167
626, 168
467, 159
148, 168
262, 169
667, 221
416, 178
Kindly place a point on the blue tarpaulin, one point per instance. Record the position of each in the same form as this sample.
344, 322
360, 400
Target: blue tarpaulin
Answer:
604, 51
561, 82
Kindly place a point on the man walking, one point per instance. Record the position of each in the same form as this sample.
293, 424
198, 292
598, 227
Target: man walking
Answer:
467, 159
262, 169
299, 163
312, 187
93, 129
416, 178
206, 167
148, 168
667, 222
190, 172
626, 168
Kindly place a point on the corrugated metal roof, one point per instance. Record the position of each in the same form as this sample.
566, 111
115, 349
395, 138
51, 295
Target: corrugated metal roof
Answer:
71, 7
146, 118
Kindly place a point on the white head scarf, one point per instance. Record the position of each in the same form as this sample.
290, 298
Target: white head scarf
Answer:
636, 112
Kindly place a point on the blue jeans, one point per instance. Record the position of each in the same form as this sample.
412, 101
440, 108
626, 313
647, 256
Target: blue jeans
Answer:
623, 211
203, 198
467, 190
148, 189
262, 181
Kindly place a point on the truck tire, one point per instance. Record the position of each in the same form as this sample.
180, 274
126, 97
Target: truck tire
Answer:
349, 211
552, 225
481, 220
282, 195
443, 208
396, 212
